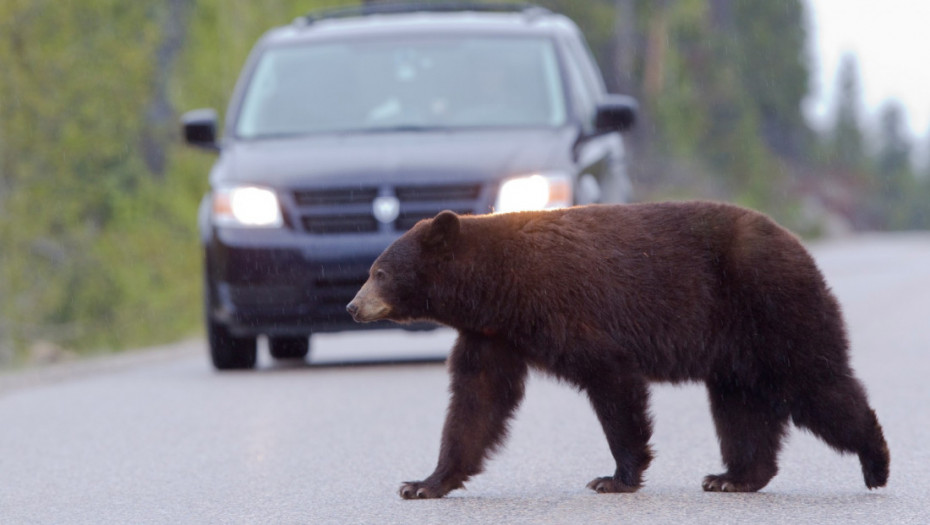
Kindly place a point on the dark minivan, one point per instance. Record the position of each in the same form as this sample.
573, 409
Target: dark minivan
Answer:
349, 126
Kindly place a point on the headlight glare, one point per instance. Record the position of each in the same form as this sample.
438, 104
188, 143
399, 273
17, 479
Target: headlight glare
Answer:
534, 192
246, 207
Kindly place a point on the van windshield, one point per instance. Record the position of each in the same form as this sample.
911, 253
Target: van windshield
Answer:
381, 85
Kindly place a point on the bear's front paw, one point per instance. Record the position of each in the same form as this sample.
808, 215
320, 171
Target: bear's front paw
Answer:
419, 490
724, 483
606, 485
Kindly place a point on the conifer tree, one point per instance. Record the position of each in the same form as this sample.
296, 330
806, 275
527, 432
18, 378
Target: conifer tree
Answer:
894, 178
846, 143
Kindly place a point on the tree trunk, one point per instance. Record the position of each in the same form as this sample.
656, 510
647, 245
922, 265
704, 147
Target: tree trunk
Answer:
619, 75
160, 115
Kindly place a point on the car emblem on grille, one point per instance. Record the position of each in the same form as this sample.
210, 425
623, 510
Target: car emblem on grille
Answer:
386, 208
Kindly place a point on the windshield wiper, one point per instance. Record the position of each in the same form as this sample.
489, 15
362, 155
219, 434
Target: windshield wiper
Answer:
399, 128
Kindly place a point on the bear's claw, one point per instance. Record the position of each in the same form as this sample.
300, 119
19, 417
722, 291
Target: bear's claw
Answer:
723, 483
419, 490
610, 485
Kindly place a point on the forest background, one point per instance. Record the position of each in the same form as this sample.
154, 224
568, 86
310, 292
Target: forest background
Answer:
98, 196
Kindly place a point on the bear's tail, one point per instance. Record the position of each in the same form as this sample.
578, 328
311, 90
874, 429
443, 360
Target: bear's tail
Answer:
875, 458
838, 412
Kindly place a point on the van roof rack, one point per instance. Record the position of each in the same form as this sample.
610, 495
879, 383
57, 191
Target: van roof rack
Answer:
389, 7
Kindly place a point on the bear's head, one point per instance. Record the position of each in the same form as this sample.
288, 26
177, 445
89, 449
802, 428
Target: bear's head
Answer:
399, 281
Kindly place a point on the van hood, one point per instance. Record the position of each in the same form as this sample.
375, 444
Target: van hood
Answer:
394, 157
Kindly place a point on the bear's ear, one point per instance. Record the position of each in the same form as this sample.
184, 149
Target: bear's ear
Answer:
443, 231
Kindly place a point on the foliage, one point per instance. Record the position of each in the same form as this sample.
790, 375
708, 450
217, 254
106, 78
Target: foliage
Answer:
846, 143
98, 198
713, 121
888, 191
98, 250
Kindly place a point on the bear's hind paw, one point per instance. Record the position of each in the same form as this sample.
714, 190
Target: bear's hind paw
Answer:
419, 490
610, 485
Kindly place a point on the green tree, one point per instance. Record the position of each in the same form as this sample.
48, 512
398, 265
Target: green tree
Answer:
897, 190
846, 142
894, 156
98, 198
708, 104
70, 93
770, 47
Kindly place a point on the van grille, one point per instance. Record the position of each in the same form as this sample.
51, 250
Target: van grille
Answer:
438, 193
335, 196
340, 224
349, 210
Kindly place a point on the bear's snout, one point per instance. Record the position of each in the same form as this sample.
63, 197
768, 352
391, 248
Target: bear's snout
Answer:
367, 306
352, 308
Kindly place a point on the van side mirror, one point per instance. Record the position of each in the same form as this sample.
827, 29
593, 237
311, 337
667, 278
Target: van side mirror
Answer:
199, 127
615, 113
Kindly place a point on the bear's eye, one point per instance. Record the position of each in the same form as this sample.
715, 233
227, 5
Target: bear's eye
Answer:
380, 275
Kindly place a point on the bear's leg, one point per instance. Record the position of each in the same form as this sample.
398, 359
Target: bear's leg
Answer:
620, 401
487, 382
838, 412
750, 427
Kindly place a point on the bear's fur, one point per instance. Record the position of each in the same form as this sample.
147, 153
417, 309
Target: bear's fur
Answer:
610, 298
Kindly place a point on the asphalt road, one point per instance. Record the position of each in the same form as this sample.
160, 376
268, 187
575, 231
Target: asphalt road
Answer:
159, 437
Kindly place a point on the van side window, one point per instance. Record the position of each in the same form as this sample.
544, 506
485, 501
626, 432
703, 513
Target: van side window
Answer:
587, 89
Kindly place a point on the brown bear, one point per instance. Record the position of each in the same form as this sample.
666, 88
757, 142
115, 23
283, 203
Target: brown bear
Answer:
612, 297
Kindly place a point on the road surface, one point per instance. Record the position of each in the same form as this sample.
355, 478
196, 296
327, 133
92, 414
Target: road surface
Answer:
159, 437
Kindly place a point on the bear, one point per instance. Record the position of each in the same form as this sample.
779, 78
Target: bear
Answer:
612, 297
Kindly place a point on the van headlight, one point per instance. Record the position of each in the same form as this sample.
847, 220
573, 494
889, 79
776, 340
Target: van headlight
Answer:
539, 191
246, 207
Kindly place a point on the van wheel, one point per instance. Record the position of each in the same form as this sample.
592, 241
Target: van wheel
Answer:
229, 352
289, 347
